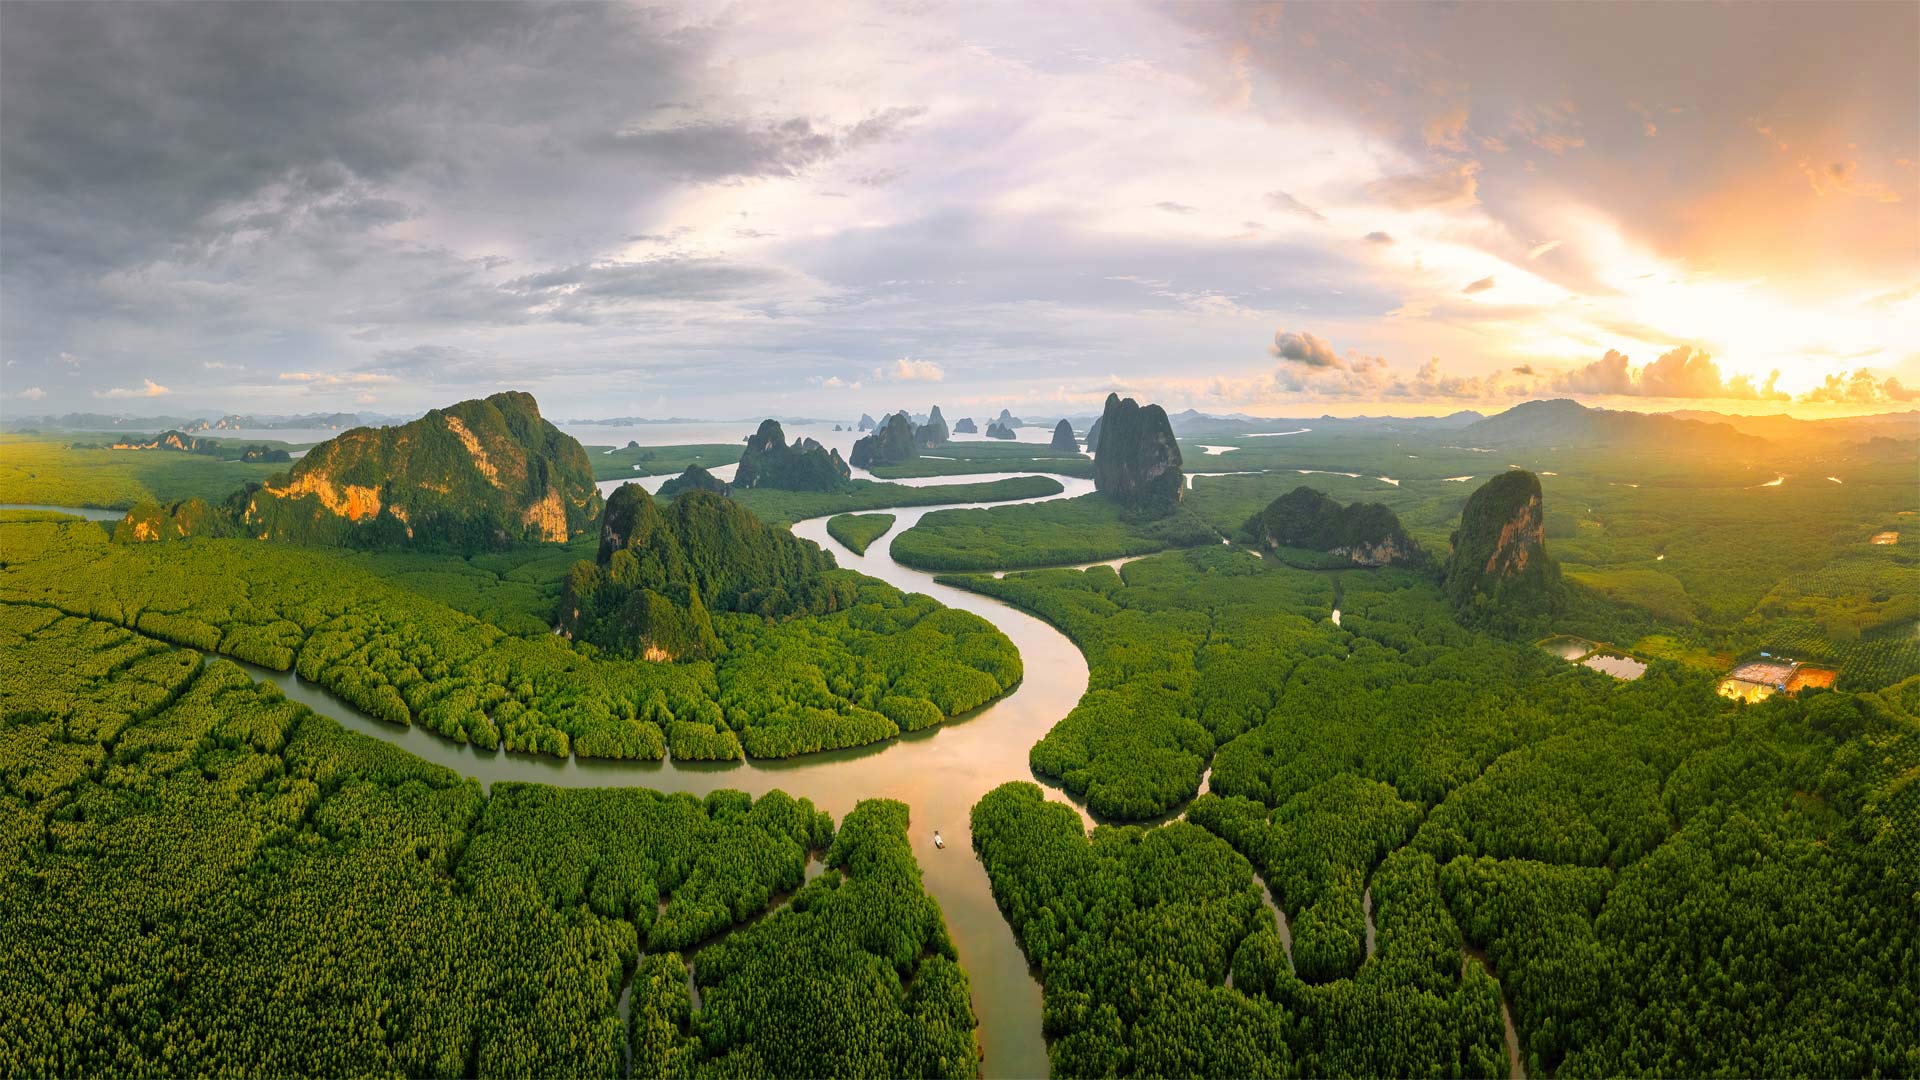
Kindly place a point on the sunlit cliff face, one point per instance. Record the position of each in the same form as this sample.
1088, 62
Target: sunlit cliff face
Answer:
1441, 207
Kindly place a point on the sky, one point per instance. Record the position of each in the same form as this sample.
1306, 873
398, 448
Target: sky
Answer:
721, 210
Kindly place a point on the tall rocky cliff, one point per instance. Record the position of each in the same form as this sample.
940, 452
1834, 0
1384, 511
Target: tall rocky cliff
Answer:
1063, 437
1138, 460
1499, 574
966, 426
1369, 534
768, 462
933, 432
890, 444
480, 474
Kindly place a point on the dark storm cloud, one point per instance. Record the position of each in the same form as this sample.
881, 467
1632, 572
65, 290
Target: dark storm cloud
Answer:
123, 126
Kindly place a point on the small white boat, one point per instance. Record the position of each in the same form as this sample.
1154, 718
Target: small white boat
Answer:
937, 842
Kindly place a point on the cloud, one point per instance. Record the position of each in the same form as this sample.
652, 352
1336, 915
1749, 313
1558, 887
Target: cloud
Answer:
1861, 388
1280, 200
31, 393
833, 382
1607, 375
730, 150
1445, 187
1175, 207
1538, 250
1842, 178
1480, 286
1302, 348
1378, 237
1314, 370
1446, 128
150, 390
320, 378
906, 369
1679, 373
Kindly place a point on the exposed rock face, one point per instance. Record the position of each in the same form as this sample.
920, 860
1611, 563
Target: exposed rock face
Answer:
1063, 437
866, 423
1009, 421
1093, 436
167, 440
890, 444
1138, 461
662, 566
1499, 572
695, 479
1367, 533
768, 462
933, 432
966, 426
480, 474
998, 430
148, 522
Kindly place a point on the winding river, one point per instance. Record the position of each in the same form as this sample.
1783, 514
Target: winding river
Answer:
940, 773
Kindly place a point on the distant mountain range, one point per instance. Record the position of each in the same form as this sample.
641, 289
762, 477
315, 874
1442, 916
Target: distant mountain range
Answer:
336, 421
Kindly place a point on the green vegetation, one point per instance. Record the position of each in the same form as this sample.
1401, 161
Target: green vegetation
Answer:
203, 877
662, 565
787, 507
369, 629
695, 479
1500, 575
1365, 533
1664, 881
634, 460
473, 476
1061, 532
1135, 932
39, 471
960, 458
856, 976
859, 530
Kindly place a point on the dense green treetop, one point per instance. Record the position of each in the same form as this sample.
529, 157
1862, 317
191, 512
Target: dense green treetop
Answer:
663, 565
694, 479
1365, 533
204, 878
859, 530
